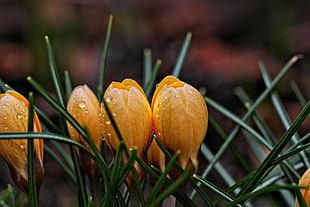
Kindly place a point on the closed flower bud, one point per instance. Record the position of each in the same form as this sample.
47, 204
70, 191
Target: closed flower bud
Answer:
84, 106
304, 183
180, 119
132, 114
14, 110
156, 157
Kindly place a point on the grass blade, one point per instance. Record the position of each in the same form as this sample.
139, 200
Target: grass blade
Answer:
179, 62
32, 190
104, 58
54, 72
267, 163
147, 72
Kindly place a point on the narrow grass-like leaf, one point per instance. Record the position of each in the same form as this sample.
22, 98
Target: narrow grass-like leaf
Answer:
299, 197
177, 193
151, 82
54, 72
2, 86
298, 93
179, 62
161, 179
68, 85
62, 165
219, 131
253, 107
52, 126
215, 189
305, 138
79, 176
117, 164
63, 152
136, 193
127, 167
239, 121
104, 57
173, 187
267, 134
265, 190
290, 153
282, 112
147, 72
218, 166
32, 190
179, 168
267, 163
261, 125
44, 135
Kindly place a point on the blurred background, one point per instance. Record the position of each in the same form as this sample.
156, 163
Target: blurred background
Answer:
229, 38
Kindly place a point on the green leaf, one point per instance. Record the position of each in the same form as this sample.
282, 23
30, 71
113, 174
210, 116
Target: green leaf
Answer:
104, 56
151, 82
179, 62
160, 181
32, 190
260, 173
54, 72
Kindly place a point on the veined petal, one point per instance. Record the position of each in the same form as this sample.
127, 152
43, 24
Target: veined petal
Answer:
84, 106
14, 118
132, 113
180, 118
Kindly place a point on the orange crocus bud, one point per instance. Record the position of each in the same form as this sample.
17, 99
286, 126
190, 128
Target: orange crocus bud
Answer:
132, 114
156, 157
180, 119
304, 182
84, 106
14, 110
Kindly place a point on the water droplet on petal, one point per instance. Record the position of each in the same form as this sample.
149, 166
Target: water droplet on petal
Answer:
86, 111
82, 104
3, 106
5, 117
108, 122
156, 115
22, 146
19, 115
114, 114
109, 134
6, 128
166, 97
177, 96
108, 99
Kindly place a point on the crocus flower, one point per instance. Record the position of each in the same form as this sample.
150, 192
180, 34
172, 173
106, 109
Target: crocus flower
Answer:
84, 106
132, 114
14, 110
180, 118
304, 182
156, 157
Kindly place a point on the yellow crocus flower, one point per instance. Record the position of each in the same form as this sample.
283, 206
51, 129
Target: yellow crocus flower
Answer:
14, 110
132, 113
84, 106
180, 118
